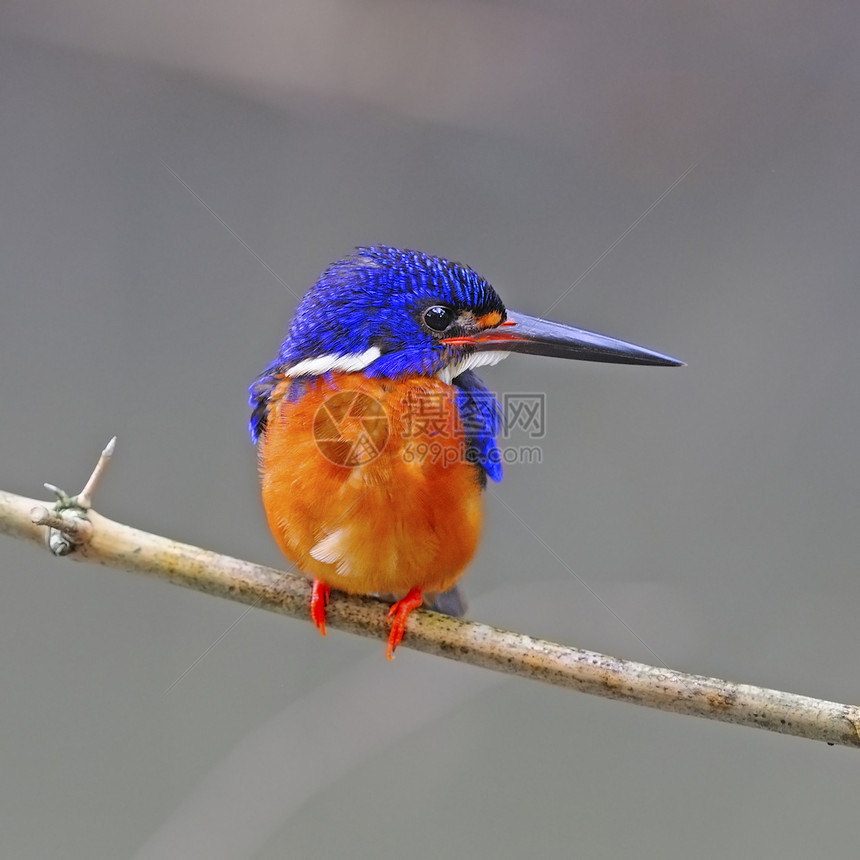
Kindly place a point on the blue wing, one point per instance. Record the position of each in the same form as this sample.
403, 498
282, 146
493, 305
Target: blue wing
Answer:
482, 421
260, 392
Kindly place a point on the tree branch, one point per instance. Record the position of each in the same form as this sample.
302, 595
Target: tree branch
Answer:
69, 527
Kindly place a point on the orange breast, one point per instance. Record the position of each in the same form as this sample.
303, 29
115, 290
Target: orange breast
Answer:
366, 485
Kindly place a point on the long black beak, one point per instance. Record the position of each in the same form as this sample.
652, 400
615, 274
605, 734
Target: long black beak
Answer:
532, 335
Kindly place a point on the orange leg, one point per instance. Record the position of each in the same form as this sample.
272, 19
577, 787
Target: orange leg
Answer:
319, 598
398, 614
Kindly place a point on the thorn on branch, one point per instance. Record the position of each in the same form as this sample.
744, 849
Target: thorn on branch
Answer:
85, 497
67, 523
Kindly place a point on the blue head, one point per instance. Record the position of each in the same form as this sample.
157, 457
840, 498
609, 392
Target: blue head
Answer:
387, 312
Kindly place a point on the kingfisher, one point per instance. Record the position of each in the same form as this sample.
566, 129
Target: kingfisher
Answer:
376, 437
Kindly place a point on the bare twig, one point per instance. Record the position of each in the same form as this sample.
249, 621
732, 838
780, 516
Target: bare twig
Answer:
103, 541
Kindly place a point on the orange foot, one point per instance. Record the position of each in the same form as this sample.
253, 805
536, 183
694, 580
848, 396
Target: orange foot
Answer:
398, 614
319, 598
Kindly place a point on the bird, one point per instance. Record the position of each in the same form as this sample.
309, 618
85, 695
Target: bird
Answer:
376, 437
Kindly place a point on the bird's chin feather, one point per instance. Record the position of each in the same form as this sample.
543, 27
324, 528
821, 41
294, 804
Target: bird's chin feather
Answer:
468, 362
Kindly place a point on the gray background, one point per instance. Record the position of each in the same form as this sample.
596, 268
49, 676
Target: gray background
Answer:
714, 508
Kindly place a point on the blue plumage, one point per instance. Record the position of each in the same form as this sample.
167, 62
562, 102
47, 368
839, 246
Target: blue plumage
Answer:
375, 297
482, 420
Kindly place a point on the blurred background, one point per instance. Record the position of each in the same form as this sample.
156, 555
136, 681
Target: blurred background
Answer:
173, 175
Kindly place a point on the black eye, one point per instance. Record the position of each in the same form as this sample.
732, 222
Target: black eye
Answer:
438, 318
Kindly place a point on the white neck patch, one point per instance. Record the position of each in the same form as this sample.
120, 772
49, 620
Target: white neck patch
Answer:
353, 362
476, 359
349, 363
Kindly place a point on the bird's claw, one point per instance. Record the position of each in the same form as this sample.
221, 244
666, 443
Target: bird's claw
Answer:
319, 598
398, 614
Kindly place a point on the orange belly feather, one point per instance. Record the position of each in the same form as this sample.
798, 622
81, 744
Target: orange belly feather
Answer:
371, 499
